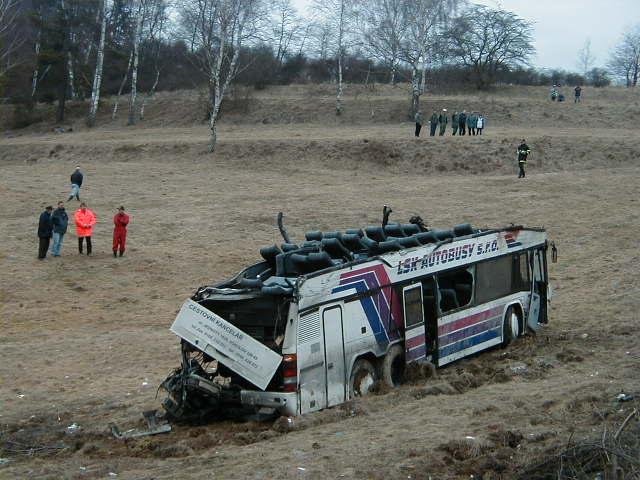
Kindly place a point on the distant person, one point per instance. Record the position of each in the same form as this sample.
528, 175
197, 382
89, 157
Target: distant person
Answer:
554, 93
576, 94
120, 221
85, 220
480, 124
454, 123
76, 183
60, 221
443, 120
472, 120
418, 119
462, 122
523, 152
433, 124
45, 231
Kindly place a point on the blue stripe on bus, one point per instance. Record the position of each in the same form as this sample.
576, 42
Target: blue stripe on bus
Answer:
469, 331
469, 342
369, 309
415, 353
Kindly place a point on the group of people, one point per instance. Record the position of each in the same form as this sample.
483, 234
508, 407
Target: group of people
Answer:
53, 224
461, 123
556, 95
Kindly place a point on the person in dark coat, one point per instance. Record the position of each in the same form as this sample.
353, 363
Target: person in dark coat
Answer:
443, 120
577, 92
45, 231
418, 119
433, 123
120, 220
523, 152
454, 123
462, 122
76, 183
60, 221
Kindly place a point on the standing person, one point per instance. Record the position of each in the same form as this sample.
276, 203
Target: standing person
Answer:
120, 220
443, 120
577, 92
84, 219
454, 123
433, 123
523, 152
45, 230
418, 119
462, 121
76, 183
471, 123
60, 221
480, 123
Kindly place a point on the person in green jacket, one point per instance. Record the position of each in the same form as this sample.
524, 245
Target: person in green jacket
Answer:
472, 122
454, 123
443, 120
433, 123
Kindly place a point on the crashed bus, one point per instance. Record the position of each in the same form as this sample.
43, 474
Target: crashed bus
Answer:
314, 324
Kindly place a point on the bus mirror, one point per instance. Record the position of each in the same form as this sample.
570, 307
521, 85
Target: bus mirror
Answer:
554, 253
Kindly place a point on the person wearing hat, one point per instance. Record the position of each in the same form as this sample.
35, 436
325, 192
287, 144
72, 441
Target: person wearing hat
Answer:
45, 232
120, 220
76, 183
443, 120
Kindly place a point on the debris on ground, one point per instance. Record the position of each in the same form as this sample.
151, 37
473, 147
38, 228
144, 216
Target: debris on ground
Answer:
155, 426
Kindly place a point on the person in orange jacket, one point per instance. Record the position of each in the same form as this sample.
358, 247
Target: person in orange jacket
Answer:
85, 220
120, 220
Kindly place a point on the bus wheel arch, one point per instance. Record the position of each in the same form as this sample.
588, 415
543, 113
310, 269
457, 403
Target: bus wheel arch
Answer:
392, 366
362, 378
512, 325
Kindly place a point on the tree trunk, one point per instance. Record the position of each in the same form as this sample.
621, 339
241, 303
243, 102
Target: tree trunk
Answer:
415, 91
134, 69
122, 84
34, 81
70, 76
150, 94
97, 77
340, 36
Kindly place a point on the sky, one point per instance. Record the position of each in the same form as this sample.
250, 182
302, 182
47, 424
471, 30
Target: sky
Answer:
561, 27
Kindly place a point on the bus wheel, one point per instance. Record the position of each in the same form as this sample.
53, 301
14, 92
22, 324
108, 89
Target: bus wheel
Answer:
511, 326
363, 376
393, 366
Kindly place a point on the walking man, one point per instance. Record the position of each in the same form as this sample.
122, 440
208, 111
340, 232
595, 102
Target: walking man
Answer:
120, 220
462, 121
577, 92
443, 120
85, 220
45, 230
433, 124
523, 152
60, 221
418, 119
76, 183
454, 123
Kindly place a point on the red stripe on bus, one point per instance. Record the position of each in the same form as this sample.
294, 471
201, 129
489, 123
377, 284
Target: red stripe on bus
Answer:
415, 341
470, 320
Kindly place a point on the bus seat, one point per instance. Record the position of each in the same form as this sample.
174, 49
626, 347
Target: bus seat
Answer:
408, 242
389, 246
287, 247
336, 249
393, 230
462, 229
448, 299
443, 234
375, 233
331, 234
355, 231
313, 235
269, 254
353, 242
426, 237
410, 229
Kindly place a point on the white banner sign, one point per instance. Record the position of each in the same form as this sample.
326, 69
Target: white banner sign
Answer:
226, 343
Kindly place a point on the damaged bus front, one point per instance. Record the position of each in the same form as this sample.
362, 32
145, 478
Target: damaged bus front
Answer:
235, 348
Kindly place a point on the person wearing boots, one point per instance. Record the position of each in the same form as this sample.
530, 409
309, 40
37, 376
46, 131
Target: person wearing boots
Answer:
120, 221
85, 220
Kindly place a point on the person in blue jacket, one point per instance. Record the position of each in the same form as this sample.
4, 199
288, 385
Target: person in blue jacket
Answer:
60, 221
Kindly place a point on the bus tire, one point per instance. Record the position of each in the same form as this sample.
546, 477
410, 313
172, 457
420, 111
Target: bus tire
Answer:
363, 376
393, 365
512, 326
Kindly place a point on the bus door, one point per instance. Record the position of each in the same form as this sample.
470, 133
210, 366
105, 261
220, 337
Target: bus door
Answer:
538, 298
414, 330
334, 355
430, 308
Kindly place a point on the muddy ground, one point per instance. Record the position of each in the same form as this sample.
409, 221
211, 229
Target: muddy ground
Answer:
85, 340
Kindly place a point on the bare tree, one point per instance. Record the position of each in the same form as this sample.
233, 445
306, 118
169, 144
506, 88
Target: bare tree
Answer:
137, 36
486, 40
625, 58
97, 76
424, 20
586, 57
9, 39
384, 28
219, 28
286, 27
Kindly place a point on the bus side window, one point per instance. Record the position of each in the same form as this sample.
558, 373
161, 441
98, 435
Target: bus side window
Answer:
455, 288
521, 279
